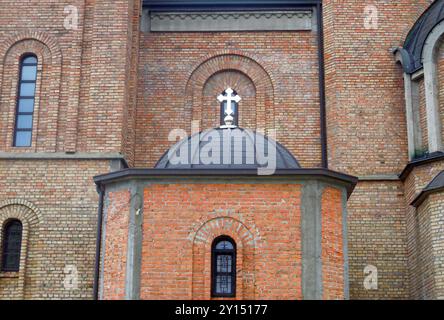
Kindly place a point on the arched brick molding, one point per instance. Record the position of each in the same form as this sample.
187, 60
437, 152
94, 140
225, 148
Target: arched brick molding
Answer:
412, 88
30, 217
25, 203
49, 71
229, 52
429, 58
217, 84
231, 62
246, 241
49, 41
440, 77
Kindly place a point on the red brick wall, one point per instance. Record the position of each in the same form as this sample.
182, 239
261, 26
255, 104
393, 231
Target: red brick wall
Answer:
64, 200
437, 230
423, 117
181, 221
218, 83
175, 67
377, 237
332, 245
440, 74
83, 104
425, 270
86, 102
367, 133
365, 92
417, 228
115, 251
427, 263
84, 79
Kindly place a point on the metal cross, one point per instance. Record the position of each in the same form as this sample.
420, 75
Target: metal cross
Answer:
229, 98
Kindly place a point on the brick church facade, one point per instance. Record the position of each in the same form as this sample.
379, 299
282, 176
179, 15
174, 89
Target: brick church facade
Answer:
222, 149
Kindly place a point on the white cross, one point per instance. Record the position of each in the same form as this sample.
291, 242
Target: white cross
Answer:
229, 98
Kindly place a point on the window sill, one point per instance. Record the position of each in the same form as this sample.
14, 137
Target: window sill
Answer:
9, 275
20, 150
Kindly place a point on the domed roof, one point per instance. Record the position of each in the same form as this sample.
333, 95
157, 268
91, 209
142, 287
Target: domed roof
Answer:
228, 148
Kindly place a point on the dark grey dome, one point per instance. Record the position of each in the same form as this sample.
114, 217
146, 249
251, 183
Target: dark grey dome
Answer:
227, 149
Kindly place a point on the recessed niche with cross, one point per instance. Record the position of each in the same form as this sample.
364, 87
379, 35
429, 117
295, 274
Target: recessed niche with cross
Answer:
229, 100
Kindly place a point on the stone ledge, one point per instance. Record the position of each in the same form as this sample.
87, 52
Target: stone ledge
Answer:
59, 156
380, 177
9, 275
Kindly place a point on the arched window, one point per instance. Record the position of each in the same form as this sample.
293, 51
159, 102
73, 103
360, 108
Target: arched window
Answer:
25, 101
223, 268
11, 246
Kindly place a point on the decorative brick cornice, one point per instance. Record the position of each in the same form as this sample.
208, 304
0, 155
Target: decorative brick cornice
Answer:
231, 21
215, 5
228, 15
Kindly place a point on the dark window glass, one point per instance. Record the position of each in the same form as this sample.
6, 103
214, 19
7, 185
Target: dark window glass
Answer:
223, 267
25, 102
11, 246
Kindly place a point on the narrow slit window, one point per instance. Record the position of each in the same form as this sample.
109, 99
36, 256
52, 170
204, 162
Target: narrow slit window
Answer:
11, 246
25, 102
223, 267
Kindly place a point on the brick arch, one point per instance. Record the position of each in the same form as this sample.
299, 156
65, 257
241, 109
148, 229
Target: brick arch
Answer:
234, 53
212, 228
218, 82
34, 216
232, 61
44, 38
202, 244
49, 74
30, 217
440, 83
